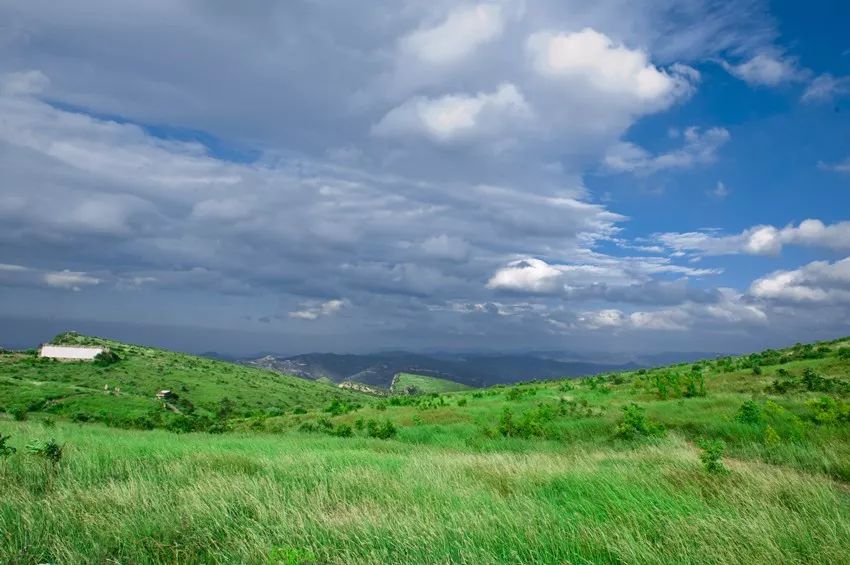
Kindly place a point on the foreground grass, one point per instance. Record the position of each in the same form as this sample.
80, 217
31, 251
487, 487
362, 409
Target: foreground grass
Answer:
145, 497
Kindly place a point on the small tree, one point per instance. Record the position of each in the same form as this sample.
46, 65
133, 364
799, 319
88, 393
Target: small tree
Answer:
712, 452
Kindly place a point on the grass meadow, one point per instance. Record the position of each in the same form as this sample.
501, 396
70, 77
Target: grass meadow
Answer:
736, 460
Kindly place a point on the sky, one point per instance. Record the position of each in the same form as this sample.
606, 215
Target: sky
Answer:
505, 175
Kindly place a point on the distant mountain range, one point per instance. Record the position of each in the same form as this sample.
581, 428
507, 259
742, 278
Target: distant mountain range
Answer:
476, 370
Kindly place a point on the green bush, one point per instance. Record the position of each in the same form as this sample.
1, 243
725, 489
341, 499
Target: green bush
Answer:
385, 430
712, 451
635, 424
19, 413
105, 358
749, 413
461, 402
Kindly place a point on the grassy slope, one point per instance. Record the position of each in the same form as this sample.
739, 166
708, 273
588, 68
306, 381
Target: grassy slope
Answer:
426, 384
77, 388
450, 487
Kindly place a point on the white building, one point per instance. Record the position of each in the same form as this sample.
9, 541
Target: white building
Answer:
69, 352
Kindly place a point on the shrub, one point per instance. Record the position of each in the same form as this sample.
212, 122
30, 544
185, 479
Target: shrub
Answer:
299, 410
105, 358
342, 430
337, 408
828, 410
770, 436
19, 413
712, 451
5, 449
636, 425
844, 353
749, 413
385, 430
49, 449
695, 384
757, 369
461, 402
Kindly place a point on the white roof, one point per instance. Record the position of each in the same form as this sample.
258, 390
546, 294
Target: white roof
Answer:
84, 352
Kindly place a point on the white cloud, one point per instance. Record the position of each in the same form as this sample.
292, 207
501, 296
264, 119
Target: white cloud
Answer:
765, 69
457, 116
817, 282
839, 167
527, 275
23, 83
458, 36
825, 88
602, 319
761, 240
73, 280
594, 60
729, 311
699, 148
313, 312
446, 247
720, 191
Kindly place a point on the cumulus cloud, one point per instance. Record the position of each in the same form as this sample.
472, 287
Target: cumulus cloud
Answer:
729, 311
760, 240
313, 312
527, 275
817, 282
458, 35
699, 148
73, 280
593, 60
765, 69
458, 116
600, 277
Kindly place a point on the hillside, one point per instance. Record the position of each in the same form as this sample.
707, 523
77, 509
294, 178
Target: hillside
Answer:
123, 393
735, 459
478, 370
414, 384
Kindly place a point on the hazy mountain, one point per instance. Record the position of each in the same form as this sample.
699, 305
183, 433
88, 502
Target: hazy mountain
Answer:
473, 369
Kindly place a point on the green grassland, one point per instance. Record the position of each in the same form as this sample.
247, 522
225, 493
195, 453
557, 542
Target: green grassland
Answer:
424, 384
734, 460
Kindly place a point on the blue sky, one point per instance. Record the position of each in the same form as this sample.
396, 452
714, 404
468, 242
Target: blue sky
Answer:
500, 174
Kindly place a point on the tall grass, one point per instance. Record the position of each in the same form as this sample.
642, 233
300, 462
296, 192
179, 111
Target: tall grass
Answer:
151, 497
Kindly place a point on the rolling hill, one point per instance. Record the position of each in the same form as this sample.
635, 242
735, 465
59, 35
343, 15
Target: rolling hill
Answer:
123, 393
